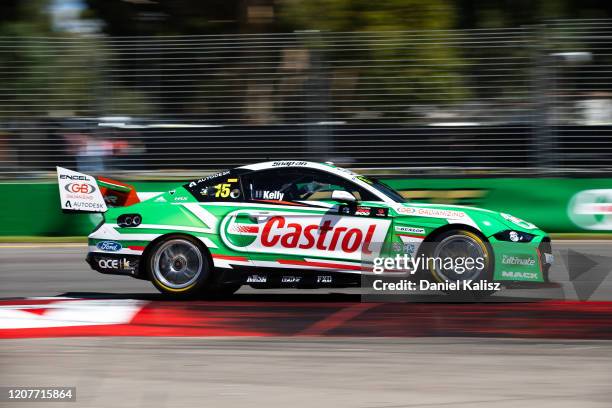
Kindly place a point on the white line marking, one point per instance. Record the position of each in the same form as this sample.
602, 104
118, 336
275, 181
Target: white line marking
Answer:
39, 246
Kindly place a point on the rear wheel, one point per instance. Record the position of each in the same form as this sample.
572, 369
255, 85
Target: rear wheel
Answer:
448, 256
178, 266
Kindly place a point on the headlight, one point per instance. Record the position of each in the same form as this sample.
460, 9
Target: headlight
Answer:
514, 236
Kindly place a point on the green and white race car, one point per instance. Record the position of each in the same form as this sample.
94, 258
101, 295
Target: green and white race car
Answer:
295, 224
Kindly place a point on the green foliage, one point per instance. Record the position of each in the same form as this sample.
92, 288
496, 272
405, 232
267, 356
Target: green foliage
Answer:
44, 73
365, 15
403, 67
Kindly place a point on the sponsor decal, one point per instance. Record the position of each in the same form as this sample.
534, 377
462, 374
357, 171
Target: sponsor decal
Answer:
107, 263
291, 279
409, 230
365, 211
85, 206
82, 188
430, 212
465, 196
79, 192
109, 246
410, 248
515, 260
520, 275
220, 191
289, 163
380, 212
518, 221
349, 240
269, 195
316, 235
80, 177
257, 279
324, 279
207, 178
591, 209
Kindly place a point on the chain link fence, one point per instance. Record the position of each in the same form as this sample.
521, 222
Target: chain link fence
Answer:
528, 100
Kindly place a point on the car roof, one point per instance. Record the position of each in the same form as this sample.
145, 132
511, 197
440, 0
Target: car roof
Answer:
326, 167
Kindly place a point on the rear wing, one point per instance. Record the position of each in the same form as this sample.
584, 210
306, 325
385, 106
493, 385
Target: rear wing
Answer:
81, 192
116, 193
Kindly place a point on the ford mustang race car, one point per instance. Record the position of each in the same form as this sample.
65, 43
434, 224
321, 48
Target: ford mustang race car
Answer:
294, 224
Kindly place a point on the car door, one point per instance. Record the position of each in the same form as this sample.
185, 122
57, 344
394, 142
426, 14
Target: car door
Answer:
297, 224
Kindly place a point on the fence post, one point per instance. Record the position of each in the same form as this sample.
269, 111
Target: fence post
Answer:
544, 139
318, 135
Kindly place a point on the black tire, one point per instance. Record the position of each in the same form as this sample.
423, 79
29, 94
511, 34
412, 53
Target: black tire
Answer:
475, 246
179, 266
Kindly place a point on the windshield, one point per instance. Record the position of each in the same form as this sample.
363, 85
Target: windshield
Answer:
383, 188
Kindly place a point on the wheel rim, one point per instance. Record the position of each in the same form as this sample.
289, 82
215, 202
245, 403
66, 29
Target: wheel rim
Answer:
458, 246
177, 264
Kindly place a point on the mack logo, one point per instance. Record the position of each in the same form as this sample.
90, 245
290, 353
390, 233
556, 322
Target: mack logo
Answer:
84, 188
109, 246
277, 231
520, 275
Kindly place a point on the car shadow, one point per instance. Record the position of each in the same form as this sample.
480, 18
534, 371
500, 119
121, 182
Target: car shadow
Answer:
332, 297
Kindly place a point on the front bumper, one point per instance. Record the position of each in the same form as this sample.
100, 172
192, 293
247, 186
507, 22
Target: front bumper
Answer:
527, 263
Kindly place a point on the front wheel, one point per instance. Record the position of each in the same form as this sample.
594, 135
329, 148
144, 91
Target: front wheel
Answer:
178, 266
464, 258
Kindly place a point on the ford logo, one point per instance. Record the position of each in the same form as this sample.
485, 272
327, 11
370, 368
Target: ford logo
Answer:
109, 246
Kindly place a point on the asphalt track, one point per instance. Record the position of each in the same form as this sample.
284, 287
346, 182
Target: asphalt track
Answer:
302, 348
321, 372
28, 270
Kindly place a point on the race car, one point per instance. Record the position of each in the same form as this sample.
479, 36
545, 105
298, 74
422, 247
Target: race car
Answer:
295, 224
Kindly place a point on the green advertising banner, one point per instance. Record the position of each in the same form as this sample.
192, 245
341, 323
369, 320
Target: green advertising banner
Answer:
33, 209
557, 205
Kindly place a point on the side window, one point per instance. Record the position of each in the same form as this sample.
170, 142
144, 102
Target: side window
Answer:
305, 185
224, 186
272, 185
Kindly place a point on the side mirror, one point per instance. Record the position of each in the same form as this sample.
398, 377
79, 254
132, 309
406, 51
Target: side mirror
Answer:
343, 196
